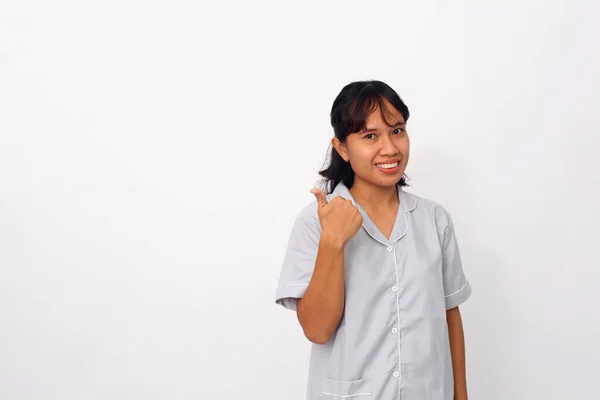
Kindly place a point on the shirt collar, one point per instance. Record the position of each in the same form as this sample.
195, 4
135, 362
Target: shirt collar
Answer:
407, 203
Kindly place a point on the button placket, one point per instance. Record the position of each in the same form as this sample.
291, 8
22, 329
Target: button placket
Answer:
395, 329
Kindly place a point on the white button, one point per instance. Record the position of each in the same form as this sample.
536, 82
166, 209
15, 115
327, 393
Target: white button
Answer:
394, 330
394, 289
389, 248
396, 374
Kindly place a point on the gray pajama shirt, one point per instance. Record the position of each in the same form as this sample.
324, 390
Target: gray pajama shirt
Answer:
392, 341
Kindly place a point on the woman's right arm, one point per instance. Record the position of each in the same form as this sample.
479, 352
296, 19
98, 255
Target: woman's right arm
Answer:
322, 306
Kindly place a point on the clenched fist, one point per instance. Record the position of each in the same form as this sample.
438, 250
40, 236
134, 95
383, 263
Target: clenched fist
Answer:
340, 220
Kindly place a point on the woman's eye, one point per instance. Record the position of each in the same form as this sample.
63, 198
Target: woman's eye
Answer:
369, 136
398, 130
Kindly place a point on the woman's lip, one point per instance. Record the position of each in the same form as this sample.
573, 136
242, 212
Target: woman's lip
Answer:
390, 170
388, 162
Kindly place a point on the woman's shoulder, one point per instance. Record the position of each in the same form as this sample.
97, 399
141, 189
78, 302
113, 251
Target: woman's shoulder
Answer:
423, 205
308, 213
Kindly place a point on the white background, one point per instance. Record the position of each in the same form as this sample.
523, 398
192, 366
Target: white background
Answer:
153, 157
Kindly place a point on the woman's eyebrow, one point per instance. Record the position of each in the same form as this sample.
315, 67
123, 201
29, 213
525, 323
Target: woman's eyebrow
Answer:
367, 129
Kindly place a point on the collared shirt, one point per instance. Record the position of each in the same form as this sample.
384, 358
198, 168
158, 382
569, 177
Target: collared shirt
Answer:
392, 342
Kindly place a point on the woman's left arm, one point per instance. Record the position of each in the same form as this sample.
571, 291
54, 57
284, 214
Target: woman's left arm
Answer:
457, 350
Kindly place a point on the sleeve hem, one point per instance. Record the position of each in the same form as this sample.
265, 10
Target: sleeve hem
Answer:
287, 295
457, 298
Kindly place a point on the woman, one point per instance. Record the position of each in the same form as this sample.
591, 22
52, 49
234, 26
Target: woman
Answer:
374, 272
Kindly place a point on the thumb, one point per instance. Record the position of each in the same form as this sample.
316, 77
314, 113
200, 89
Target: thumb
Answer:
321, 199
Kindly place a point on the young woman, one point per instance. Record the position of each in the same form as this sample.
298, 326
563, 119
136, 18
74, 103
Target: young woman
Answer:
374, 272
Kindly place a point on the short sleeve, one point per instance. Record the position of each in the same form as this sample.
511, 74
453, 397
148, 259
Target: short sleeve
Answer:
299, 259
456, 286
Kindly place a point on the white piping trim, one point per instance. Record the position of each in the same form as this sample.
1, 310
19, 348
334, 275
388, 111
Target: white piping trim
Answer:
392, 241
458, 291
398, 322
370, 234
347, 395
292, 284
406, 220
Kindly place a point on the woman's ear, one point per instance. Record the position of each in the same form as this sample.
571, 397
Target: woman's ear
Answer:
340, 148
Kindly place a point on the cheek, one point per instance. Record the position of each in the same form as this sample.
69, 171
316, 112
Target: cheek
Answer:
359, 153
363, 157
404, 146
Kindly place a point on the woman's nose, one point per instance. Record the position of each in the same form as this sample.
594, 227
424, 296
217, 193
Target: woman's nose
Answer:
388, 147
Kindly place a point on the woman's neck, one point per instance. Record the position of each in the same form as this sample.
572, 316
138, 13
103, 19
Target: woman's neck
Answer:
374, 197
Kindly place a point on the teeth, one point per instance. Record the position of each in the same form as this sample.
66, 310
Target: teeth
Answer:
387, 165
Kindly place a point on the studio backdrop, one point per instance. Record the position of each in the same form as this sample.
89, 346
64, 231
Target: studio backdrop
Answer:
154, 155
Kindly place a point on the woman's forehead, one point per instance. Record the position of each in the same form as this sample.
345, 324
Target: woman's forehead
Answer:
376, 118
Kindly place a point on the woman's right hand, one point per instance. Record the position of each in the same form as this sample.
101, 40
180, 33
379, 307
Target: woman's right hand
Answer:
340, 219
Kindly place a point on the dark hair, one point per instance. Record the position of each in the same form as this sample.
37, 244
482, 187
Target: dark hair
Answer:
349, 112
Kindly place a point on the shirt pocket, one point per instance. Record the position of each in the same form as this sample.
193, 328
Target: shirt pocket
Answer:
358, 389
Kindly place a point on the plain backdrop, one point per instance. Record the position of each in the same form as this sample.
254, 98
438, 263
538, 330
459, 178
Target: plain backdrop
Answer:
154, 155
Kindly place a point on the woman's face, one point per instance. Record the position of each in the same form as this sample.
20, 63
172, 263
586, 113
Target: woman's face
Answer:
379, 153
